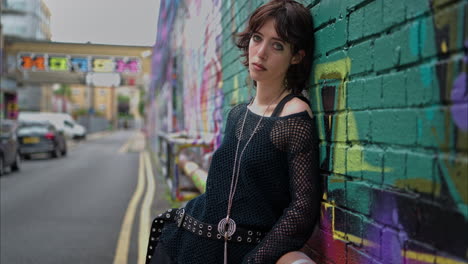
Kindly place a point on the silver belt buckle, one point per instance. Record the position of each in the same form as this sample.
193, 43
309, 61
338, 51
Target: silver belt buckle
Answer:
181, 216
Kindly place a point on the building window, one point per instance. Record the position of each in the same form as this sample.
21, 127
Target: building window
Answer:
102, 92
102, 107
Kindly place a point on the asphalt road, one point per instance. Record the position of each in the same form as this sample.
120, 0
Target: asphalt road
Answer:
82, 207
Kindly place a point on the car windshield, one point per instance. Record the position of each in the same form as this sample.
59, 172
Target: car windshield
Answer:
26, 130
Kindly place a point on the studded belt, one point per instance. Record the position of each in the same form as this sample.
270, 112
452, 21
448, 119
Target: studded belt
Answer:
240, 234
183, 220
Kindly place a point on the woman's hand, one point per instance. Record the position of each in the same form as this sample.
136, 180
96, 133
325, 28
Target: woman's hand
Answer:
295, 257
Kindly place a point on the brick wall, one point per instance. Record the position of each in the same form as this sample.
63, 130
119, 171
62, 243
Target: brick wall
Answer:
389, 93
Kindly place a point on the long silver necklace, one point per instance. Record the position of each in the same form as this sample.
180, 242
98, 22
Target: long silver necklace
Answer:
227, 226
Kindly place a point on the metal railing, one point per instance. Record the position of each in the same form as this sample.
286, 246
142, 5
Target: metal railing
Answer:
175, 168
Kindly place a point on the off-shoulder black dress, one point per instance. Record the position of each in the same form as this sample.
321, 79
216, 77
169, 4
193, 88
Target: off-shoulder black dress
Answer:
278, 190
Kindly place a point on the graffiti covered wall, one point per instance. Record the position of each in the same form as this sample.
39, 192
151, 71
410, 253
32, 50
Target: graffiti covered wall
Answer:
390, 97
389, 93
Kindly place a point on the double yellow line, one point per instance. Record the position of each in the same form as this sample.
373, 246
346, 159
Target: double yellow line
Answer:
123, 244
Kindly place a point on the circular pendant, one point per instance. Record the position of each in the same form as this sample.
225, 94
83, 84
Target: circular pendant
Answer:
226, 228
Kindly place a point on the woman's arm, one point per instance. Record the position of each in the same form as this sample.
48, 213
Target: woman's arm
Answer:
295, 257
297, 223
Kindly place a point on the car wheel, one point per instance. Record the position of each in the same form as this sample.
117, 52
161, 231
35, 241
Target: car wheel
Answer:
26, 156
16, 166
1, 166
56, 153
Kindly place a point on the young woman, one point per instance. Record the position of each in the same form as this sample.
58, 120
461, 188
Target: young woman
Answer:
263, 189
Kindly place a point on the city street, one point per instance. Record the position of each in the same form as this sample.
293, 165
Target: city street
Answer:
82, 207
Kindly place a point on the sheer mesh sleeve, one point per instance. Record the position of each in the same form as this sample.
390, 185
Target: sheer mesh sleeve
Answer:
298, 137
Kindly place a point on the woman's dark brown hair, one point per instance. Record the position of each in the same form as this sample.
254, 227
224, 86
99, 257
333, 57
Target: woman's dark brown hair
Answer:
294, 25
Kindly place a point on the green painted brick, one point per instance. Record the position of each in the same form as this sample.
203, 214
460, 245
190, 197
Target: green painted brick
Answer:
338, 7
362, 57
228, 85
358, 126
410, 48
393, 12
336, 192
358, 197
394, 90
321, 126
351, 4
372, 92
387, 52
420, 174
354, 161
373, 18
416, 8
325, 11
394, 166
321, 14
372, 159
420, 86
355, 94
356, 25
432, 127
333, 57
323, 153
394, 126
427, 37
331, 37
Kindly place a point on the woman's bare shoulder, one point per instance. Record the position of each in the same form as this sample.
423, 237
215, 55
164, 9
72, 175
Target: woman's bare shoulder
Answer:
294, 106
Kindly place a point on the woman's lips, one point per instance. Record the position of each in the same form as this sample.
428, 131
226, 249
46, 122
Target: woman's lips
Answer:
258, 67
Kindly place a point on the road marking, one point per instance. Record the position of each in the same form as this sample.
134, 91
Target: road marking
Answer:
121, 252
145, 220
125, 146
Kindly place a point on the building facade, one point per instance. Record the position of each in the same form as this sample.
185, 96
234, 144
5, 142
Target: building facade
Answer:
26, 19
22, 20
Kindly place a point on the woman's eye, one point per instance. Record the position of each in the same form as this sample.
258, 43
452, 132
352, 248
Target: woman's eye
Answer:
256, 38
277, 46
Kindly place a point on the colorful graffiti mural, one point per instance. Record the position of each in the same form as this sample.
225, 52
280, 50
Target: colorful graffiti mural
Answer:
375, 210
390, 96
187, 78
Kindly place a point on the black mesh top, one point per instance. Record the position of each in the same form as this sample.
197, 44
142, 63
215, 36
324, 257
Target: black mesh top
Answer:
278, 190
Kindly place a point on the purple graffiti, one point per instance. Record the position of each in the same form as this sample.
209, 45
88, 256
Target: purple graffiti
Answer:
460, 94
130, 66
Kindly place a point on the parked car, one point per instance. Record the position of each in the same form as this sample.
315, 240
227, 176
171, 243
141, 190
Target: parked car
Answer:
9, 146
41, 137
62, 122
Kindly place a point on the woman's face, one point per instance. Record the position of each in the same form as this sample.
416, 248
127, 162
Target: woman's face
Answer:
269, 55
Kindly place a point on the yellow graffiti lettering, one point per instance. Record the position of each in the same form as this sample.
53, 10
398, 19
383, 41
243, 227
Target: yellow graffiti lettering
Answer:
421, 185
332, 72
58, 64
103, 65
443, 46
429, 258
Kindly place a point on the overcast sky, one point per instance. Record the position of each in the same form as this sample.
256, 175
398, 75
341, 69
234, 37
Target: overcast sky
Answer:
119, 22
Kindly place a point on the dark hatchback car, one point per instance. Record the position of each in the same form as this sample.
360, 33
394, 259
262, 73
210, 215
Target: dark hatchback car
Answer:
41, 137
9, 146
